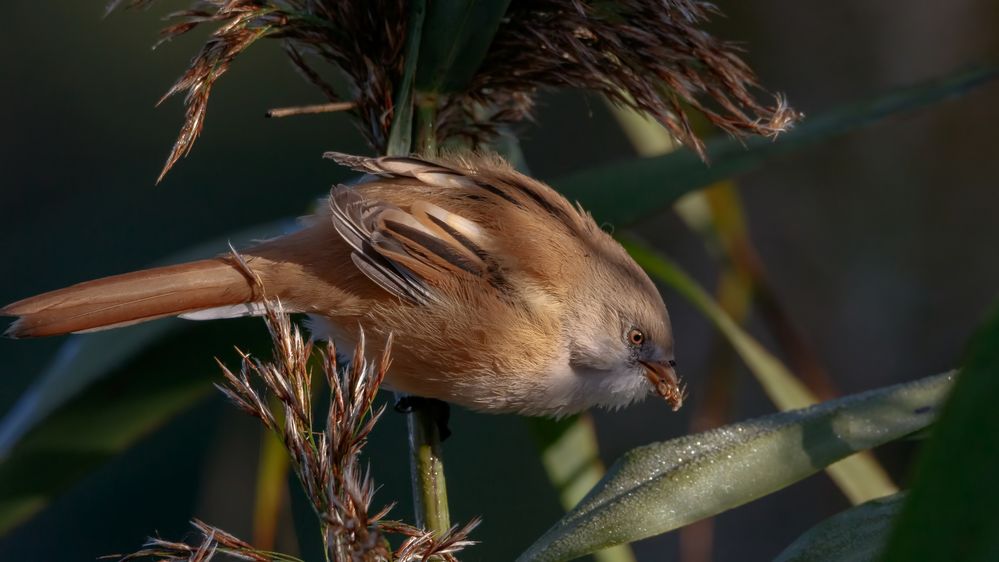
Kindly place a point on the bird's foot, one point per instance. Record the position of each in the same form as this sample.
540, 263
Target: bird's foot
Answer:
439, 410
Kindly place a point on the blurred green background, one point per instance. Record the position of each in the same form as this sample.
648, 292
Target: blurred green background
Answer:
880, 245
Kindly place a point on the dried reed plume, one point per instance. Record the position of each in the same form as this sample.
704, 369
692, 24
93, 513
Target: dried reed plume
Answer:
363, 39
651, 55
326, 460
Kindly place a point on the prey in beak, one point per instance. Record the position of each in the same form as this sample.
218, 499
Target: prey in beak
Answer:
665, 382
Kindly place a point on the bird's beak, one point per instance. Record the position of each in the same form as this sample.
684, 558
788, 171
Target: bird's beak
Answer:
664, 382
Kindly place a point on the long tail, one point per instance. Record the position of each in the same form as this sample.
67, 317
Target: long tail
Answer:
131, 298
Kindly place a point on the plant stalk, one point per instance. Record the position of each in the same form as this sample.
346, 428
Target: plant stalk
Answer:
425, 124
427, 469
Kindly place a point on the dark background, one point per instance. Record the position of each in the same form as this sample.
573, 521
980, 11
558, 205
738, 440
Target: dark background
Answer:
880, 245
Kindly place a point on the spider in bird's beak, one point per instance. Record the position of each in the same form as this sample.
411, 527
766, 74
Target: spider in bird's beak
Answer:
664, 381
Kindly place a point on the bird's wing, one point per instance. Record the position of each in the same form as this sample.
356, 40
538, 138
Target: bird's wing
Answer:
491, 178
413, 254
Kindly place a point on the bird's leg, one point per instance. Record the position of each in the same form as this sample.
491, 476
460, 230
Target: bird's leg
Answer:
438, 409
442, 416
406, 404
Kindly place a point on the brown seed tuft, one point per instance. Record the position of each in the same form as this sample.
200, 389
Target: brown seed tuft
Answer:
650, 55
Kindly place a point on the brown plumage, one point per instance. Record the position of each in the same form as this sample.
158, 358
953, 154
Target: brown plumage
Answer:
501, 294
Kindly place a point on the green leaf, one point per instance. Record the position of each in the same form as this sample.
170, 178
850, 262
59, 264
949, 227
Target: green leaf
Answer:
663, 486
681, 172
860, 477
858, 534
95, 425
400, 141
456, 38
951, 513
87, 358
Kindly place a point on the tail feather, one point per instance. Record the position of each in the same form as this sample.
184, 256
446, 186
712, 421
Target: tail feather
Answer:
131, 298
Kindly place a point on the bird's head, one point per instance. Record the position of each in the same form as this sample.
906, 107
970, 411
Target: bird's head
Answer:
623, 333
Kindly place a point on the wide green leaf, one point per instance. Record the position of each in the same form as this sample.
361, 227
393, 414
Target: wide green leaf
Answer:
952, 512
858, 534
626, 192
664, 486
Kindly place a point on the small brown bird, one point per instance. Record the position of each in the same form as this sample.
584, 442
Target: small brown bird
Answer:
501, 295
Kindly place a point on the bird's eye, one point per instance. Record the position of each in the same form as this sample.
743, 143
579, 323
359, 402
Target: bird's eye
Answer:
636, 337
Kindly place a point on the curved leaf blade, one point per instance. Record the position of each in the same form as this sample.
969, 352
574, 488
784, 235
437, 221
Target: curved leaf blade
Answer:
951, 511
681, 172
858, 534
663, 486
